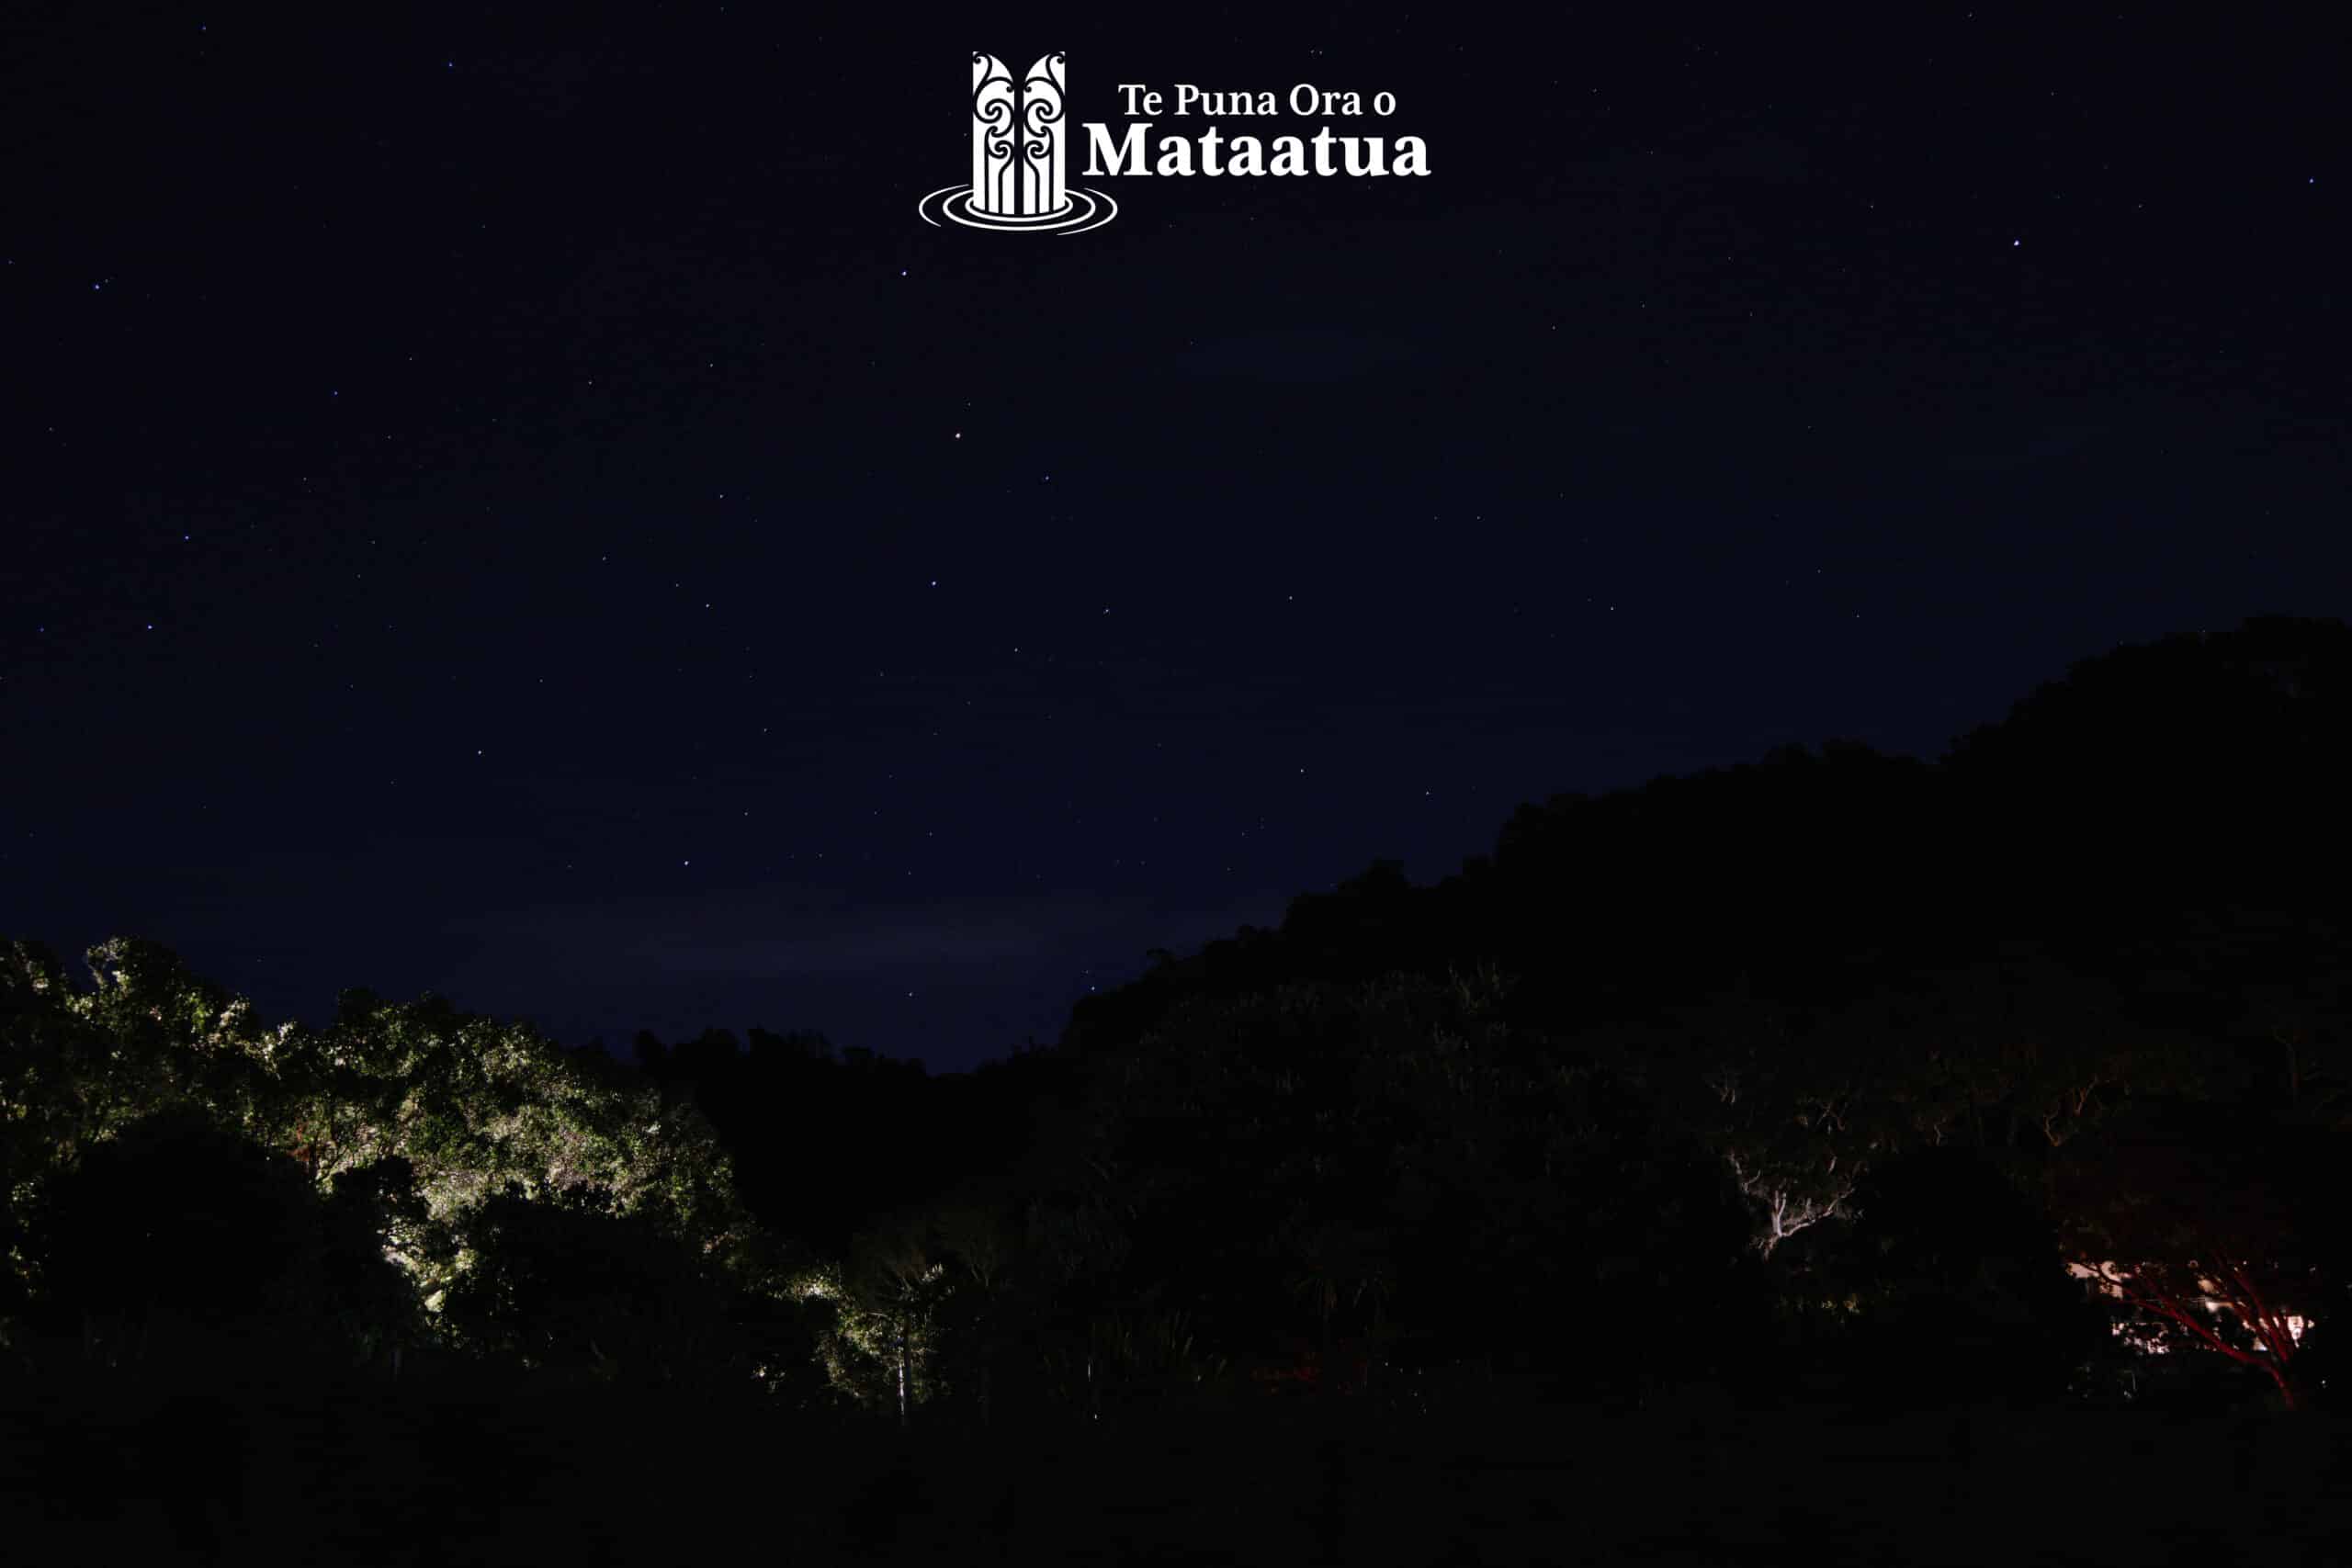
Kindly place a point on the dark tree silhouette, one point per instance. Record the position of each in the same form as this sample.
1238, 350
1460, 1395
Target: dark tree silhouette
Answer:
175, 1238
1958, 1283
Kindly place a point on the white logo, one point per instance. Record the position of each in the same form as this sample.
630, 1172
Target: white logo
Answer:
1019, 158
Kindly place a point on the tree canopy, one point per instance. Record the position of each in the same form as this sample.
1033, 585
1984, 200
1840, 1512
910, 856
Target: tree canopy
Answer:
1822, 1057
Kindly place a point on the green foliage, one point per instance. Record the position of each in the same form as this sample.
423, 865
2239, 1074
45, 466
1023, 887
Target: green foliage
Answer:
882, 1344
416, 1131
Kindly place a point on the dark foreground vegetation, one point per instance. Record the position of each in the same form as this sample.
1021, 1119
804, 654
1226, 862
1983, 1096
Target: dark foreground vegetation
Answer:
349, 1472
1848, 1155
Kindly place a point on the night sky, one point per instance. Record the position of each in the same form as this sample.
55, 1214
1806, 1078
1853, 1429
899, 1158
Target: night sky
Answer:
525, 509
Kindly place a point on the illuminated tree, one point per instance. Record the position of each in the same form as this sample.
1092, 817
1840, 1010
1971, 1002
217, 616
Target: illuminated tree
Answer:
888, 1300
1795, 1114
2208, 1227
404, 1118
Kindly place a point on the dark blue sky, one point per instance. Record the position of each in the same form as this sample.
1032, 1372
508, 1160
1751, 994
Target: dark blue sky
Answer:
527, 511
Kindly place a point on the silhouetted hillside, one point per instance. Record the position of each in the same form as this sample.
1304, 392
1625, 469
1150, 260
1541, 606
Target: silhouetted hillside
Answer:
2113, 819
1834, 1099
